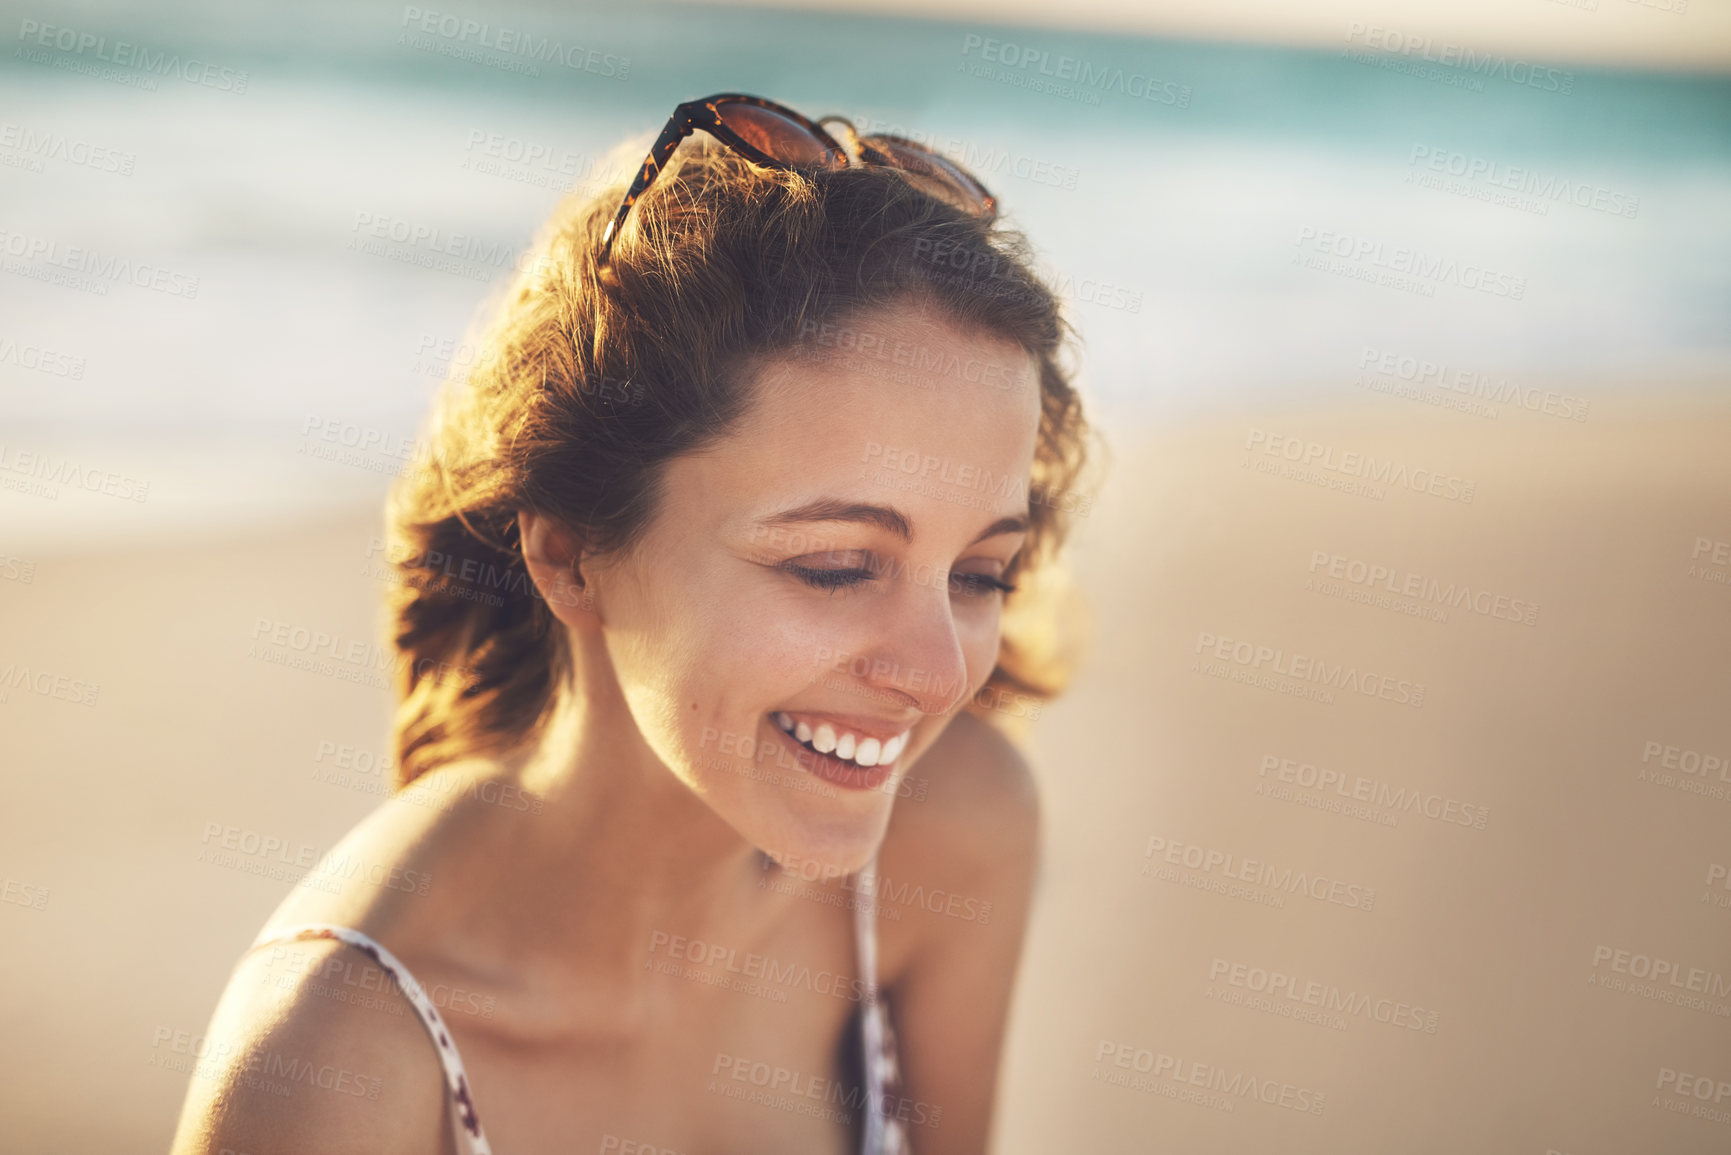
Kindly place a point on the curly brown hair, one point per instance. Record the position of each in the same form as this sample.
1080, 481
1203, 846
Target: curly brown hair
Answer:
589, 384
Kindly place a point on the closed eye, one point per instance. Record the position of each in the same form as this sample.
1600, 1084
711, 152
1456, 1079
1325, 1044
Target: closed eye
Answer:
966, 584
979, 584
830, 579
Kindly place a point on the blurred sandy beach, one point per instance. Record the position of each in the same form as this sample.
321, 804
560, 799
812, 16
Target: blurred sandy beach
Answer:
1502, 823
1492, 828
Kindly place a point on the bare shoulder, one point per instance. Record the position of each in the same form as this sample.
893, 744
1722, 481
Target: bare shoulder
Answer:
976, 786
312, 1048
972, 815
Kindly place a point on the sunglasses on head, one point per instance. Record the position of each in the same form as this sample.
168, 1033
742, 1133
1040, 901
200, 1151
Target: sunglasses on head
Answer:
776, 136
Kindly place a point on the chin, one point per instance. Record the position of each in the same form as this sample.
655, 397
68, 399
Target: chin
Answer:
832, 810
816, 854
816, 798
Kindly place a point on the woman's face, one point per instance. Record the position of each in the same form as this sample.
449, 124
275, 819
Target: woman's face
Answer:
829, 567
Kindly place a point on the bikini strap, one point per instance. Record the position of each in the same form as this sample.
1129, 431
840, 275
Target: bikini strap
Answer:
470, 1137
883, 1135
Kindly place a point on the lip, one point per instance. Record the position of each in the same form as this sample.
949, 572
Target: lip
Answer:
834, 770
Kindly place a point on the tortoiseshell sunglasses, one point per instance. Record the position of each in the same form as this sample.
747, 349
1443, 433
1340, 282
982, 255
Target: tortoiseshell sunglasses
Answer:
775, 135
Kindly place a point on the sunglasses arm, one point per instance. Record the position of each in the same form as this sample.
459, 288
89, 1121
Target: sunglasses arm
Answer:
678, 128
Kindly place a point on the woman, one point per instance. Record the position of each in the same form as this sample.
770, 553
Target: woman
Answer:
699, 614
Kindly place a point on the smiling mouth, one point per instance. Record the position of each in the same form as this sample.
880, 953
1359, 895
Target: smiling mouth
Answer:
849, 772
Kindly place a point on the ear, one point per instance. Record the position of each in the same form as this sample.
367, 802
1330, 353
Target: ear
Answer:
552, 553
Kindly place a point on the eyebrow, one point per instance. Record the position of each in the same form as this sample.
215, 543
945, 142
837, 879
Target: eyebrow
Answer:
884, 517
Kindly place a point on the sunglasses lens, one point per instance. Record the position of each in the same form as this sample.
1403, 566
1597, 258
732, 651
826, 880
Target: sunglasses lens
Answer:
778, 136
935, 173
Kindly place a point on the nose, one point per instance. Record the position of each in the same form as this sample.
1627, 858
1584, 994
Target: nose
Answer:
910, 651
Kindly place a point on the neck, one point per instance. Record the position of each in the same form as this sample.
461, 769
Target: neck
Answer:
622, 850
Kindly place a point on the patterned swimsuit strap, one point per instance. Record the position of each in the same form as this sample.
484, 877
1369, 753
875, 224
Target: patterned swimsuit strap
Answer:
871, 1021
883, 1135
471, 1139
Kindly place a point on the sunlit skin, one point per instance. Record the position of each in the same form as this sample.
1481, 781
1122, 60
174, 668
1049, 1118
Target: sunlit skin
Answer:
646, 826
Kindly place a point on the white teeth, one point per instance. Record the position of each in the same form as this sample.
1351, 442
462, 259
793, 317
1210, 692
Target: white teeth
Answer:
864, 752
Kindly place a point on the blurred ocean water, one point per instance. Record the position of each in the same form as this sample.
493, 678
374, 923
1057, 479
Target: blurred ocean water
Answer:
240, 245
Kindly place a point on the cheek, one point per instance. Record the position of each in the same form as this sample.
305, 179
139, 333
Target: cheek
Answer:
667, 653
679, 636
744, 656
